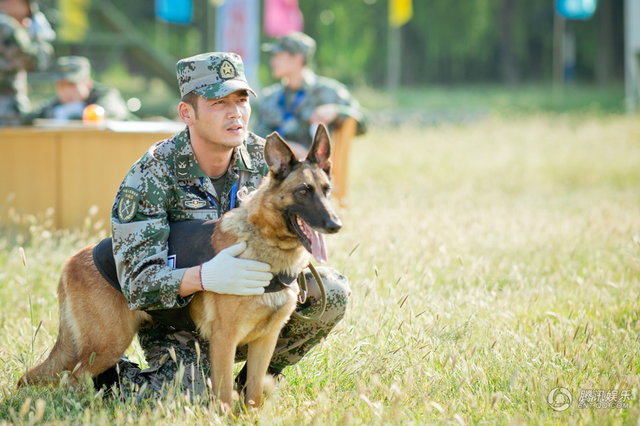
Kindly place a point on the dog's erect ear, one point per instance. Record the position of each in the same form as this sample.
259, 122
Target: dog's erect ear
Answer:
279, 156
321, 149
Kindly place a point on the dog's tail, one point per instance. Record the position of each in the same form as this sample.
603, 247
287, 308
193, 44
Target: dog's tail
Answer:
96, 326
61, 357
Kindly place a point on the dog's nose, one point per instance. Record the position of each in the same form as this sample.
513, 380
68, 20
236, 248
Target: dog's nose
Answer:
333, 226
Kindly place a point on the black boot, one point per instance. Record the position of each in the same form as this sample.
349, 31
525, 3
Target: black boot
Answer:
110, 377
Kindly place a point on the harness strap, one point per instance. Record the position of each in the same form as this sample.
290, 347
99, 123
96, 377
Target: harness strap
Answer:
302, 297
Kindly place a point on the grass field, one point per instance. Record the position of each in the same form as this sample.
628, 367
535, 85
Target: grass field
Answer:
490, 263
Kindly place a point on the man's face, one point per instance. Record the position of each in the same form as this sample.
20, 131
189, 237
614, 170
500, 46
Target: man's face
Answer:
69, 91
285, 63
223, 121
17, 9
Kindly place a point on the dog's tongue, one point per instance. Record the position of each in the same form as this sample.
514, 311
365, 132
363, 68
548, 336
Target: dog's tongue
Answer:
318, 248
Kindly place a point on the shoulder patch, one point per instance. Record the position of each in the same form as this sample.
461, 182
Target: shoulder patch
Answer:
128, 204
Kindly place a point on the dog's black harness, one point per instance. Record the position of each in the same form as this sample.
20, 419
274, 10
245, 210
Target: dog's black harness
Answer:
189, 245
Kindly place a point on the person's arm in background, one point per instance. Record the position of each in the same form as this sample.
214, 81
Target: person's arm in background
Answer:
111, 100
25, 46
335, 103
44, 110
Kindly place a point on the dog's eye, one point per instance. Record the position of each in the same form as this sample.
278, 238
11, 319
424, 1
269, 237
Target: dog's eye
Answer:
326, 189
305, 190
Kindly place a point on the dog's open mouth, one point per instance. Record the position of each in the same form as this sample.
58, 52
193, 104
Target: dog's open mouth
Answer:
311, 239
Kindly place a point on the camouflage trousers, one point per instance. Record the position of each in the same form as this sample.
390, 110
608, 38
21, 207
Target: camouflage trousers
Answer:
180, 359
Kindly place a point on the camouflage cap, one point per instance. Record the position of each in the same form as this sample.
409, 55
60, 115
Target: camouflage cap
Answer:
72, 68
212, 75
295, 42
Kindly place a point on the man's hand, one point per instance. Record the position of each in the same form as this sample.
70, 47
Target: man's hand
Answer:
226, 274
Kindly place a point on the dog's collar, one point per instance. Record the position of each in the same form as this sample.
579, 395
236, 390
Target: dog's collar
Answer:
280, 282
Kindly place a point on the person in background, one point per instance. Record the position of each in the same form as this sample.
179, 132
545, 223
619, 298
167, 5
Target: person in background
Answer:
302, 99
75, 89
25, 45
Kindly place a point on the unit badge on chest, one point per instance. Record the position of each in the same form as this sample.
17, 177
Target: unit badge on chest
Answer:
195, 203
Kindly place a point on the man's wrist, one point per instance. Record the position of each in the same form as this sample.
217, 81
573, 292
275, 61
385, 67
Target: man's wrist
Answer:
191, 282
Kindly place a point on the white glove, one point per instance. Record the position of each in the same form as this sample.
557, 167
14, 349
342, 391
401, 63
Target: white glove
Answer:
226, 274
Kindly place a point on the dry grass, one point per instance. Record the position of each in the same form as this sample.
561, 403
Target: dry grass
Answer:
490, 263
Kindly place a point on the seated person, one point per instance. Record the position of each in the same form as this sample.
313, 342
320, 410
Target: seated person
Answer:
75, 89
25, 45
302, 99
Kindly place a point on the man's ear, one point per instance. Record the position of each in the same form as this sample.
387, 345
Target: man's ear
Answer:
186, 113
279, 156
321, 149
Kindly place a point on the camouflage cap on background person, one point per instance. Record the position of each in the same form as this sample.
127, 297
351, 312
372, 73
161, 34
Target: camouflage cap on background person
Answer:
295, 42
72, 68
212, 75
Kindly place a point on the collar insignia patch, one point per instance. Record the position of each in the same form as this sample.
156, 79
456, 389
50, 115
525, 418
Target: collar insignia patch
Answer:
182, 166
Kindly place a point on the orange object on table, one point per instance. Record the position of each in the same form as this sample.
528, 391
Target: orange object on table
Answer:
93, 113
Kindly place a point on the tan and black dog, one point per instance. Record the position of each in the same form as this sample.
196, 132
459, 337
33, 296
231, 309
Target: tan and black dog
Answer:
281, 222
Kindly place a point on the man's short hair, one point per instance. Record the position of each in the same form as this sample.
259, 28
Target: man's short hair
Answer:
191, 98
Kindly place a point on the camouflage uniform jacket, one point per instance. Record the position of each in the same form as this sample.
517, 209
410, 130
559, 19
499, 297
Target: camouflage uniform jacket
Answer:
288, 111
19, 52
168, 185
108, 98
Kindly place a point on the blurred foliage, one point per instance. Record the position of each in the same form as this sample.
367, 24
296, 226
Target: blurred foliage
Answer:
484, 42
447, 44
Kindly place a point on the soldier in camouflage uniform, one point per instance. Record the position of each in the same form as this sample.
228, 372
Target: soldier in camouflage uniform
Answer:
25, 37
200, 173
75, 89
302, 99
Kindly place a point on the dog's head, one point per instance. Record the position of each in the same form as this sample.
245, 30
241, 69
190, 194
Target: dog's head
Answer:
303, 188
